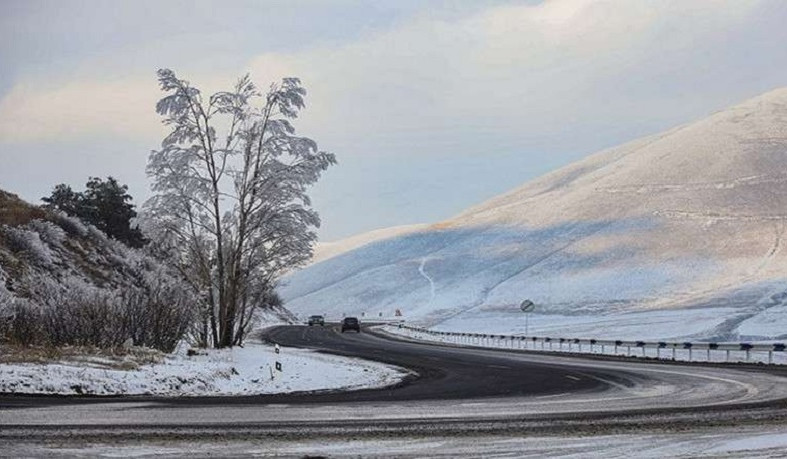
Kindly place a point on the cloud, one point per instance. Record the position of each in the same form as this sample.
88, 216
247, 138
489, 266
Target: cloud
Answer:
509, 71
512, 71
79, 109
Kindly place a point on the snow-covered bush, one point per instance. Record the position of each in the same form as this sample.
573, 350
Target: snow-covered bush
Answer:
63, 282
6, 307
28, 243
76, 313
159, 314
71, 225
96, 235
49, 232
25, 324
156, 314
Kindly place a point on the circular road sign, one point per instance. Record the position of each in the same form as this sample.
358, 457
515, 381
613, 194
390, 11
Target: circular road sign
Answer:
527, 306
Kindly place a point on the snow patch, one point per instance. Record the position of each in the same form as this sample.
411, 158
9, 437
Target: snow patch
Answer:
250, 370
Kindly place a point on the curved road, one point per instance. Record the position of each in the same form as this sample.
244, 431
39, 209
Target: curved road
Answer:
457, 391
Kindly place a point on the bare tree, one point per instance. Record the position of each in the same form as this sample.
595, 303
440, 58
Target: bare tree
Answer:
232, 209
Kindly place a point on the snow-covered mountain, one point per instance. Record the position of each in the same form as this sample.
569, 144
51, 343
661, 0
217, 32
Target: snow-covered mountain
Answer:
675, 235
325, 250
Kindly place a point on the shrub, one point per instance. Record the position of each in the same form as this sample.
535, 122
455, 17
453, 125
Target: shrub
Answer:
159, 314
71, 225
27, 243
74, 313
48, 232
25, 323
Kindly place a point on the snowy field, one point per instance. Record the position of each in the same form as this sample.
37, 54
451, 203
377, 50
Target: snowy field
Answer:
475, 279
669, 324
239, 371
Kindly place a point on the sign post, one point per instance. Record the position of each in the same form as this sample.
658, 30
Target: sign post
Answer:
527, 307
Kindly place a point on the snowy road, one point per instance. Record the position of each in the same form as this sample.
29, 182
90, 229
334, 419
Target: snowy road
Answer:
495, 396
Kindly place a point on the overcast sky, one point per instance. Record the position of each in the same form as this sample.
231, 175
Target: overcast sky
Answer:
430, 106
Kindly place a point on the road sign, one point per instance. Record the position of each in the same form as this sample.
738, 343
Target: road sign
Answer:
278, 366
527, 307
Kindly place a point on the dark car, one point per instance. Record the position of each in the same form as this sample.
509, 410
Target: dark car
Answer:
351, 323
316, 320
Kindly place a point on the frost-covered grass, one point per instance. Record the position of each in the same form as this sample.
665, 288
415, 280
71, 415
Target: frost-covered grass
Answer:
239, 371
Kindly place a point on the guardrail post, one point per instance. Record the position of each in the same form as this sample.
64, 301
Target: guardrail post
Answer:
746, 347
708, 357
770, 357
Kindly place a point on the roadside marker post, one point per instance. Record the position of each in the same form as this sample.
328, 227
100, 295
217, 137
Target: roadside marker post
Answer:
527, 307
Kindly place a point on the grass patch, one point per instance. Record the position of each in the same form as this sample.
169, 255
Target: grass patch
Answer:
15, 212
115, 359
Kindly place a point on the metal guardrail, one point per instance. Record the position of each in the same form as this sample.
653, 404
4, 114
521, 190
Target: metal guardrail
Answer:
593, 346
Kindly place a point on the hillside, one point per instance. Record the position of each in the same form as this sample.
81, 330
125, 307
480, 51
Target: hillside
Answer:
43, 245
326, 250
675, 235
63, 282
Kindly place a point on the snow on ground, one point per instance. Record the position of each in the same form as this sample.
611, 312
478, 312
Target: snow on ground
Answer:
668, 324
776, 442
325, 250
749, 442
239, 371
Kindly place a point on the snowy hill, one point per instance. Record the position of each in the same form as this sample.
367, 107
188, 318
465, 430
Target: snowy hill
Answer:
326, 250
675, 235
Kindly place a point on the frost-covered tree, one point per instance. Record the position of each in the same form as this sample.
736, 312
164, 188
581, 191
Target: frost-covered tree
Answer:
231, 205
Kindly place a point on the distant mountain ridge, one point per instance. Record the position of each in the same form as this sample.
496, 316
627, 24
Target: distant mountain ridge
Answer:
689, 219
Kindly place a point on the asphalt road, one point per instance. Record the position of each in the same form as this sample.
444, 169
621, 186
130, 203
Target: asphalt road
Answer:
443, 373
453, 392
